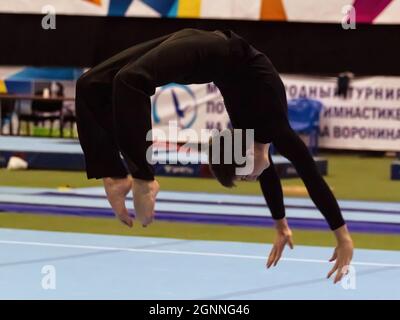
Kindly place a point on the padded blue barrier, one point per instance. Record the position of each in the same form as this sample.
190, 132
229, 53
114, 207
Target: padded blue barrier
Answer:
395, 170
304, 115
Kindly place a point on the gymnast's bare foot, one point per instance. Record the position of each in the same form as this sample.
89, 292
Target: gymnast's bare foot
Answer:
117, 190
144, 199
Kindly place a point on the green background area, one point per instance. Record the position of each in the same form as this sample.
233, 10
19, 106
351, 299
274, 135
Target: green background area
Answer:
351, 177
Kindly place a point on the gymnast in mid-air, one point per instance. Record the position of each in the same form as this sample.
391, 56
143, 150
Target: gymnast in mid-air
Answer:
113, 108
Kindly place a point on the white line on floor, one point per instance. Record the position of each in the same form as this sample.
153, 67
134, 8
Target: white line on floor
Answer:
192, 253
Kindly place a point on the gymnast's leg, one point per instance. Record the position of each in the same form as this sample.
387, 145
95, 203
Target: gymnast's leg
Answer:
96, 128
190, 56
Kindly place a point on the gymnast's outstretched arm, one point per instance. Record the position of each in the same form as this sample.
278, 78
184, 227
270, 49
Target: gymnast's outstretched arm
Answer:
292, 147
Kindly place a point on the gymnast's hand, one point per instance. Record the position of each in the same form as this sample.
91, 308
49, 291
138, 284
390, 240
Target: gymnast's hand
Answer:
283, 237
117, 190
342, 254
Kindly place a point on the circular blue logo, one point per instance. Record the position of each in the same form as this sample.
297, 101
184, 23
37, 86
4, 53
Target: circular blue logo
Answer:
175, 102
